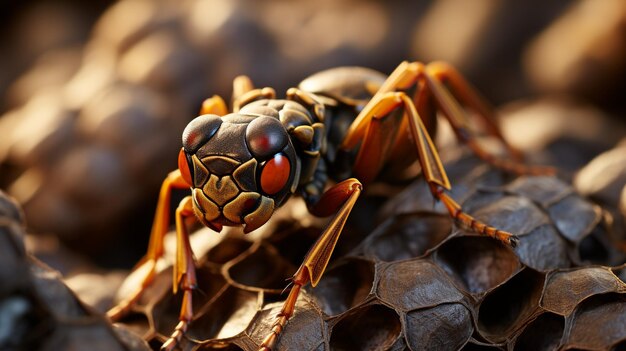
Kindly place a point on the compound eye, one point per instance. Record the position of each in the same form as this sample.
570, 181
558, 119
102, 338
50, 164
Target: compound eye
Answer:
183, 166
199, 131
266, 136
275, 174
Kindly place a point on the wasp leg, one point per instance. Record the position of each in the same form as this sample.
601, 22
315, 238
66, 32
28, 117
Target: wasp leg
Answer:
468, 96
371, 155
435, 74
184, 273
405, 76
428, 157
470, 222
431, 77
340, 199
144, 272
382, 127
253, 95
214, 105
241, 85
244, 93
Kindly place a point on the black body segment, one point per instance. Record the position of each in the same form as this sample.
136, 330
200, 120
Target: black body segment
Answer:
351, 124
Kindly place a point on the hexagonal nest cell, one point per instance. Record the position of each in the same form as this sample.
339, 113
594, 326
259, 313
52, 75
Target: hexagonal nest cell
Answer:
417, 281
85, 145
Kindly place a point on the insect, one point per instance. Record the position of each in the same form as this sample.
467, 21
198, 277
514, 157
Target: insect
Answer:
343, 124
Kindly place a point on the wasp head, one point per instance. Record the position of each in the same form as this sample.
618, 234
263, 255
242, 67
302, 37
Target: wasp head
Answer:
240, 167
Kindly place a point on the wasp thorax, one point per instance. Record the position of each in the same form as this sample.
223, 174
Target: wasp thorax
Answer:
240, 168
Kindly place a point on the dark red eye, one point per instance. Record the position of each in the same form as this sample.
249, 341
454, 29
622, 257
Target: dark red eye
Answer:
199, 131
183, 166
266, 136
275, 174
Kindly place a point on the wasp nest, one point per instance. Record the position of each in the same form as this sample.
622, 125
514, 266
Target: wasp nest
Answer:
416, 281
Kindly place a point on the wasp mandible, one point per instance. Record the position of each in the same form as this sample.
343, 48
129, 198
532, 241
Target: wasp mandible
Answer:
342, 124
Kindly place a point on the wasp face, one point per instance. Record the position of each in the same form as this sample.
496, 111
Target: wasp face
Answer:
241, 167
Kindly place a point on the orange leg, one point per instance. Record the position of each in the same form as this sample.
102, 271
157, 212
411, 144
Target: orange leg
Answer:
244, 93
468, 96
340, 199
184, 273
214, 105
470, 222
366, 126
448, 101
241, 85
144, 272
431, 78
367, 166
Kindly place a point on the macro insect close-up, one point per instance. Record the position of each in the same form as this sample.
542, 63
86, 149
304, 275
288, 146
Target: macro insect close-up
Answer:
241, 166
331, 175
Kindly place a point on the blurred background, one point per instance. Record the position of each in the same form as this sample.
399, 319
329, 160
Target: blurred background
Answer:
94, 95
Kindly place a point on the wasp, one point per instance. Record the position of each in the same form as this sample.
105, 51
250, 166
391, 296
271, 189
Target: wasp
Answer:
341, 126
